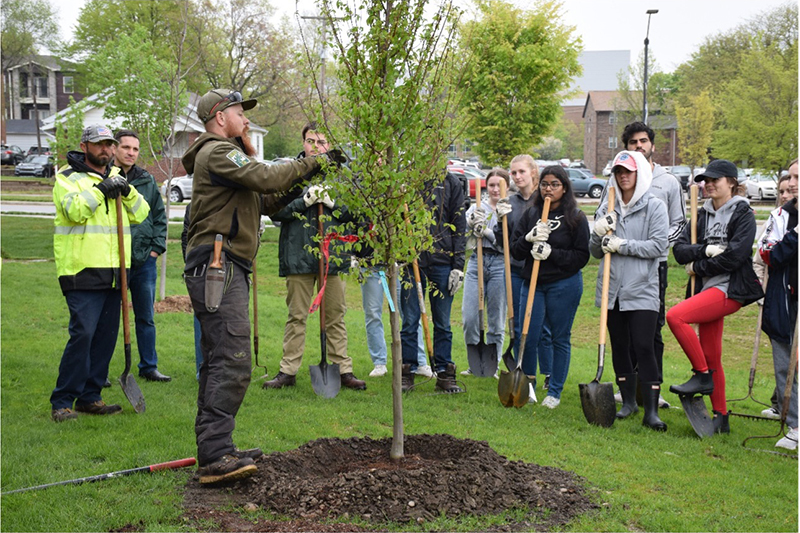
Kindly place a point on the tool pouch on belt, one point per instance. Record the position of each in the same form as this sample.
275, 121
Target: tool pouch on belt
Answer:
215, 278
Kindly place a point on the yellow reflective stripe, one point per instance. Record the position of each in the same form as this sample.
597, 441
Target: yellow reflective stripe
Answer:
80, 230
90, 199
136, 206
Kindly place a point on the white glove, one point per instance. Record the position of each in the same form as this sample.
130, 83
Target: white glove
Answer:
354, 263
503, 207
455, 281
713, 250
605, 223
611, 244
689, 268
540, 251
539, 233
317, 194
476, 218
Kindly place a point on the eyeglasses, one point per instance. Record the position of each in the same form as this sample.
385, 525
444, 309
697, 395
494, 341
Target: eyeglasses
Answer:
550, 185
234, 97
317, 142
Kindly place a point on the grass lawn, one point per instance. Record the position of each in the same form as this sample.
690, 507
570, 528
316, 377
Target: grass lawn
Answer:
644, 481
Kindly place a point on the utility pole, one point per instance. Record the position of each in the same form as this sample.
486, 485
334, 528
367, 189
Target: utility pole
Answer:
650, 13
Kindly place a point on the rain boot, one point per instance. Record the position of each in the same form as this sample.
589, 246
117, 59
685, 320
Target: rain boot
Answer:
627, 388
699, 383
446, 380
721, 424
407, 380
650, 392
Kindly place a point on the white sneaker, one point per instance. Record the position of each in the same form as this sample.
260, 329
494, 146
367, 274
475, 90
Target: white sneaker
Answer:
378, 371
771, 413
467, 372
618, 397
551, 402
789, 442
531, 394
662, 403
497, 374
424, 371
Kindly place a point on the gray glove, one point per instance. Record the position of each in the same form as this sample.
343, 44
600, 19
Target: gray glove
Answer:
611, 244
455, 281
605, 224
539, 233
540, 251
476, 218
713, 250
503, 207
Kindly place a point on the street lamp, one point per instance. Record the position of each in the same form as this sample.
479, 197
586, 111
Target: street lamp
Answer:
650, 12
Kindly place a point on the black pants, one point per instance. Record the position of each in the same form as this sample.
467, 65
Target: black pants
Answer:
226, 368
658, 341
632, 333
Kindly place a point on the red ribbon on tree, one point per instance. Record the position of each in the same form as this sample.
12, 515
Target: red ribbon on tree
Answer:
326, 243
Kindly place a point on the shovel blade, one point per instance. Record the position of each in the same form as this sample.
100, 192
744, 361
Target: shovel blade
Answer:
132, 392
482, 359
597, 400
508, 358
696, 412
512, 388
325, 379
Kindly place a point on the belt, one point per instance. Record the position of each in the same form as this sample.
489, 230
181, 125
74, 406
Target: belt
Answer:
491, 251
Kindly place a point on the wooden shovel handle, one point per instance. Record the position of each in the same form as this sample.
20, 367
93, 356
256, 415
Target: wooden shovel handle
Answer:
421, 297
693, 205
534, 277
507, 262
479, 251
321, 276
123, 274
606, 277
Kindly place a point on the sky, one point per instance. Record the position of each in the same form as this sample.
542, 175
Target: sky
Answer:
676, 30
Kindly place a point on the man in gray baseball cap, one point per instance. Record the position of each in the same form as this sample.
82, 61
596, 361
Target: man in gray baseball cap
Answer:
98, 133
217, 100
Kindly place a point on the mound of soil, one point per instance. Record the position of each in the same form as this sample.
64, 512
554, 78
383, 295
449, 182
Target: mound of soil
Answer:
174, 304
440, 475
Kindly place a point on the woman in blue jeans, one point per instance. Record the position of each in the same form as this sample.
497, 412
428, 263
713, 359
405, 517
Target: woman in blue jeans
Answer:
480, 225
561, 245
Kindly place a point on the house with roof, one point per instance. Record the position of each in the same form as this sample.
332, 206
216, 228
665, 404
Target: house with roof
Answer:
46, 81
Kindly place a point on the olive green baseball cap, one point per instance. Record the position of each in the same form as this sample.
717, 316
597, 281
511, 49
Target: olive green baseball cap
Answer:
219, 100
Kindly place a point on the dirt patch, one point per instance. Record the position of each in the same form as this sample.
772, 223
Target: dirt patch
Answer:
174, 304
347, 478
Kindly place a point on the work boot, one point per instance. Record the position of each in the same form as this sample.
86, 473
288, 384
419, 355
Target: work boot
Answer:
650, 392
721, 424
280, 381
349, 381
252, 453
446, 381
226, 468
699, 383
627, 388
407, 380
98, 408
59, 415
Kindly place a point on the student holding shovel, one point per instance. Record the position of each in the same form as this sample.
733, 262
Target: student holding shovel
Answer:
562, 247
725, 282
638, 239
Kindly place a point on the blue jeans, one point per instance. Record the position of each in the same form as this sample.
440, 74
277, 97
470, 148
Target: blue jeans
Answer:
143, 294
372, 300
441, 303
554, 305
93, 329
543, 352
494, 305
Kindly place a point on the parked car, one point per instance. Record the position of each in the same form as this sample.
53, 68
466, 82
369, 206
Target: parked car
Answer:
11, 154
470, 176
35, 150
36, 165
682, 172
584, 183
607, 169
761, 186
180, 189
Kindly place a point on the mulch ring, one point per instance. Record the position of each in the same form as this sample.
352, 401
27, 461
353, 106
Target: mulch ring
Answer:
174, 304
343, 479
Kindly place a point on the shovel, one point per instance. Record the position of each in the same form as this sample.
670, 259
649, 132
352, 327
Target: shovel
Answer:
325, 378
693, 230
422, 312
255, 318
126, 380
508, 355
597, 399
482, 357
512, 388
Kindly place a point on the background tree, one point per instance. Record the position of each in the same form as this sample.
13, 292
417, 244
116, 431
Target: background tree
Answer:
571, 136
695, 122
520, 62
69, 129
551, 148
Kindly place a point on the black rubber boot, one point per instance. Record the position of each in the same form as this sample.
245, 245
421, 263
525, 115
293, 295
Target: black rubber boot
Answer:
446, 381
627, 388
650, 392
407, 380
698, 384
721, 424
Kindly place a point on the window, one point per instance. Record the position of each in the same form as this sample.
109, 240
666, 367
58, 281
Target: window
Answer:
23, 85
612, 118
41, 86
69, 85
612, 142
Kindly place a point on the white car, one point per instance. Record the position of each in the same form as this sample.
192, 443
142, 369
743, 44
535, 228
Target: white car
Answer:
607, 170
180, 189
761, 186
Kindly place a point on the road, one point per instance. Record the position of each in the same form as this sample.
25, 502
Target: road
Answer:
48, 209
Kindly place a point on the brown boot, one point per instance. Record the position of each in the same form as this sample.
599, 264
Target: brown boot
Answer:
226, 468
352, 382
408, 378
280, 381
446, 381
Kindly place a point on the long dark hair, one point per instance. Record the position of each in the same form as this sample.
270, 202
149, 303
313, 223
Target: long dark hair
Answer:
568, 205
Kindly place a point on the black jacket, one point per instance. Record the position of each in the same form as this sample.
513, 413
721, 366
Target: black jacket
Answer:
446, 201
780, 302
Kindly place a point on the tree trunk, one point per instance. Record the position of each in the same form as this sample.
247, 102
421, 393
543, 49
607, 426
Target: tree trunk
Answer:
397, 370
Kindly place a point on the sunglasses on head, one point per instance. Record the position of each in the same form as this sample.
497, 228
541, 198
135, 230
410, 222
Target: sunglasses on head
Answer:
234, 97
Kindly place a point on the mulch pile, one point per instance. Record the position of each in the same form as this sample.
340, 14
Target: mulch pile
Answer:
174, 304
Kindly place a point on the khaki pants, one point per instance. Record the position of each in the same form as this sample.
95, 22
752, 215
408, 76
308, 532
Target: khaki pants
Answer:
301, 289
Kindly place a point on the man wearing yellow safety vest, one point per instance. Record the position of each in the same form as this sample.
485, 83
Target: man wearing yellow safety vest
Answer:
88, 266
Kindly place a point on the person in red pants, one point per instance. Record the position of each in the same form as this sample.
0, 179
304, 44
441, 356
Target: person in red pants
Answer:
725, 282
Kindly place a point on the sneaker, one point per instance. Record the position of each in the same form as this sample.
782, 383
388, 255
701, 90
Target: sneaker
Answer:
59, 415
662, 403
771, 413
789, 442
618, 397
551, 402
98, 408
546, 383
424, 371
467, 372
226, 468
496, 374
531, 394
378, 371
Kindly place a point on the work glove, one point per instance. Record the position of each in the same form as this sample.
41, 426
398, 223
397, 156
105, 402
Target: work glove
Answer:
317, 194
336, 156
503, 207
113, 186
539, 233
605, 224
611, 244
540, 251
455, 281
713, 250
476, 217
690, 268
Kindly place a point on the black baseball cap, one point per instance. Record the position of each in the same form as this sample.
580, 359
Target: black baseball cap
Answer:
719, 168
